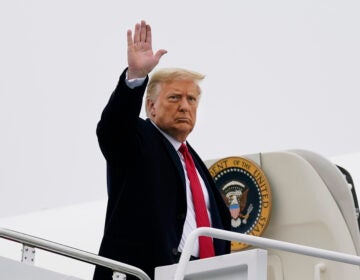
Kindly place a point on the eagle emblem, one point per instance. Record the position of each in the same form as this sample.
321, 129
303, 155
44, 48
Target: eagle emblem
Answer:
246, 191
236, 195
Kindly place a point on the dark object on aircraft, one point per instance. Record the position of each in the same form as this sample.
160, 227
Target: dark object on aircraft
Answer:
351, 182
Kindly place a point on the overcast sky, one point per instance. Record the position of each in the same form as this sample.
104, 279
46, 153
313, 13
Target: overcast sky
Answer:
279, 75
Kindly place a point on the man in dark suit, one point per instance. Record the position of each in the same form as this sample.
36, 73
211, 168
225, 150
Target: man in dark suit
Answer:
150, 208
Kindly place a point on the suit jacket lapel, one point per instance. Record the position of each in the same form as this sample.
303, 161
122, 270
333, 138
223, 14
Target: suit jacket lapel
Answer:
171, 152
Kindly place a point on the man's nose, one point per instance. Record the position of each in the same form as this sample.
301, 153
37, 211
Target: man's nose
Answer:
184, 104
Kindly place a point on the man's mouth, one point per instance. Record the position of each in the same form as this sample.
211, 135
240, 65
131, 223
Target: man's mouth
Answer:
182, 119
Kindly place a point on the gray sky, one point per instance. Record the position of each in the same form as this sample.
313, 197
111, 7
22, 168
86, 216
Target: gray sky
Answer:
280, 75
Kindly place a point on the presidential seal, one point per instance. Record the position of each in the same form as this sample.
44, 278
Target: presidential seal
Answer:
247, 193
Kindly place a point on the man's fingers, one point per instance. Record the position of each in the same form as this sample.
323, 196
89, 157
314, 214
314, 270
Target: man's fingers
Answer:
143, 28
148, 34
129, 38
137, 33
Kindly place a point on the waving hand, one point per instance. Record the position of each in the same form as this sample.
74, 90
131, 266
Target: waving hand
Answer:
141, 58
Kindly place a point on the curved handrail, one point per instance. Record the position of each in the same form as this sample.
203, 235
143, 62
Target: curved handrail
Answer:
72, 253
260, 242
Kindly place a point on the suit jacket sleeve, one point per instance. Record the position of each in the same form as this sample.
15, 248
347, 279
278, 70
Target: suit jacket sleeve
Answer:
116, 129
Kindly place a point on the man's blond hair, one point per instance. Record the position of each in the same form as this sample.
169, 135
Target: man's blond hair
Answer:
167, 75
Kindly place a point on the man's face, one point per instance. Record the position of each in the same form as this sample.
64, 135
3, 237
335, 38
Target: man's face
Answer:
174, 109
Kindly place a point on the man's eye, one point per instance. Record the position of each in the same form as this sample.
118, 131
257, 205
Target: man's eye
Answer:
173, 97
192, 99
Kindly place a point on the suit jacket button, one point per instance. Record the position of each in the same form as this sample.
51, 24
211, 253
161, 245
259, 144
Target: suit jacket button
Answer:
175, 251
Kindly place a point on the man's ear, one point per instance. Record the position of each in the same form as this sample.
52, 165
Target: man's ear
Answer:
150, 107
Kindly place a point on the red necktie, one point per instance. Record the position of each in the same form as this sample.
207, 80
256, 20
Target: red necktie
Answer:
201, 215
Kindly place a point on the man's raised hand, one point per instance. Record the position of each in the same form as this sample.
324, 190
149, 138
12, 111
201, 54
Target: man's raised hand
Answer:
141, 58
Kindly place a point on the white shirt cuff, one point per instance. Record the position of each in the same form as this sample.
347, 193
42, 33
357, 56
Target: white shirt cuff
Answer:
133, 83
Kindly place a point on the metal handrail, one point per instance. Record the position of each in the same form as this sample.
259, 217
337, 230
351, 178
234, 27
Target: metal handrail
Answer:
260, 242
72, 253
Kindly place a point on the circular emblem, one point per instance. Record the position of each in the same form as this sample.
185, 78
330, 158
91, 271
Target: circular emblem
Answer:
247, 193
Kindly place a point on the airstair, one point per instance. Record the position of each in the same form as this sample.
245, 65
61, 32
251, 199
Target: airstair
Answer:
250, 265
313, 234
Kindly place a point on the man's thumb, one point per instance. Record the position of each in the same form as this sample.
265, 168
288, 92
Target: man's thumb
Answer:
159, 54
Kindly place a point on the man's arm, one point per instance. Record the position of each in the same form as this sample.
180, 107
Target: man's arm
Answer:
117, 128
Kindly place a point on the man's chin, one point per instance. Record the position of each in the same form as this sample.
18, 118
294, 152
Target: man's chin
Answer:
185, 127
181, 131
